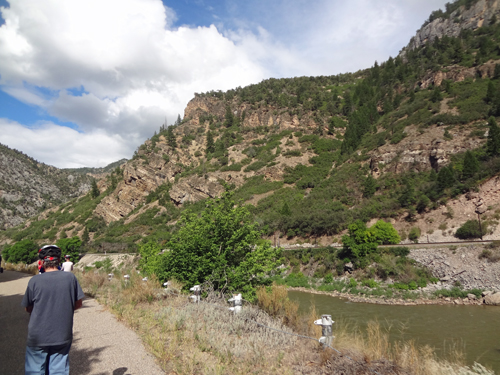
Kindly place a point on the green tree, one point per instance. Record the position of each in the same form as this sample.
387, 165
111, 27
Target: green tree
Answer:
210, 143
85, 236
490, 93
384, 233
493, 142
70, 246
285, 210
359, 242
471, 165
179, 120
94, 190
221, 245
436, 95
445, 179
171, 138
25, 251
408, 197
369, 186
229, 120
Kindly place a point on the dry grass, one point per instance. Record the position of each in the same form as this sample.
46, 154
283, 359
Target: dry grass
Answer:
31, 269
207, 338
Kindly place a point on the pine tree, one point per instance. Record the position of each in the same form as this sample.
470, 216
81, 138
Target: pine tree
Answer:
179, 120
285, 210
210, 143
493, 143
445, 178
471, 165
369, 186
171, 139
436, 95
85, 236
490, 93
94, 191
407, 197
229, 117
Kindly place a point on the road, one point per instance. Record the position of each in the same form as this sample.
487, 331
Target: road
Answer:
101, 344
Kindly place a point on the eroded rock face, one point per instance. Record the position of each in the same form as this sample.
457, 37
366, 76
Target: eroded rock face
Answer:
458, 74
478, 15
195, 188
421, 152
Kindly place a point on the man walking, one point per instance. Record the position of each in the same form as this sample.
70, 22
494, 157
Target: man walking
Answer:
67, 266
51, 298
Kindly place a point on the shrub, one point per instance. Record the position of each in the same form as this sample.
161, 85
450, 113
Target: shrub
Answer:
470, 230
293, 153
414, 234
297, 280
370, 283
328, 279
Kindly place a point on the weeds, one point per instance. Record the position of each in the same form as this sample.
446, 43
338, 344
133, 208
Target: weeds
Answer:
205, 338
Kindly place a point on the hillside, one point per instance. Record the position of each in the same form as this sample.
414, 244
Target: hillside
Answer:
411, 140
28, 187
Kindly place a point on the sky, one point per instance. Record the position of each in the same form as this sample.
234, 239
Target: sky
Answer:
86, 82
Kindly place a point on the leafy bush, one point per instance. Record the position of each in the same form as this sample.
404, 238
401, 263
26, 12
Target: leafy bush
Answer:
469, 230
296, 280
328, 279
25, 251
370, 283
70, 246
221, 245
414, 234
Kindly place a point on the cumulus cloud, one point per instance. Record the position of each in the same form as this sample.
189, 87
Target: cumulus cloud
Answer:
117, 68
69, 149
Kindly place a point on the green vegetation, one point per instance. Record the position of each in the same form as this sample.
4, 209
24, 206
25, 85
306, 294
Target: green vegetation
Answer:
221, 246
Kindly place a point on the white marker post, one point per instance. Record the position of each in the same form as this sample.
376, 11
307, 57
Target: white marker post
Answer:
237, 302
110, 276
326, 324
196, 293
126, 277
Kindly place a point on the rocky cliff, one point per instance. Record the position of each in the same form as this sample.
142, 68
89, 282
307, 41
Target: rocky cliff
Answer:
480, 13
28, 187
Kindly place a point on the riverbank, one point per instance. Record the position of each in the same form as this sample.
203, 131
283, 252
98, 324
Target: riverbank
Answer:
206, 338
472, 300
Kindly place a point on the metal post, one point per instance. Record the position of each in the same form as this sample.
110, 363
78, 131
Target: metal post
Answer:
126, 277
237, 303
165, 285
110, 276
326, 324
144, 279
196, 293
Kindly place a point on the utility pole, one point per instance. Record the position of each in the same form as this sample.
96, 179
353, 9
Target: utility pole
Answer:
480, 209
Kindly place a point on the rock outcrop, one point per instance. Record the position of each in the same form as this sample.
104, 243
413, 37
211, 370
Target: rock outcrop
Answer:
492, 299
479, 14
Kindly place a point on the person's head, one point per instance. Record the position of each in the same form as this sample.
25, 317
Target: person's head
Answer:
66, 258
50, 255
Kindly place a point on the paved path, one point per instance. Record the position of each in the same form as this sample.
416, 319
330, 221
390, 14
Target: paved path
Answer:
101, 345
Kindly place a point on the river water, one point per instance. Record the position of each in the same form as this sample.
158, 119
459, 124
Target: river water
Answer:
473, 329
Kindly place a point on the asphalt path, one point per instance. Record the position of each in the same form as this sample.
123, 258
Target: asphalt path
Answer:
101, 344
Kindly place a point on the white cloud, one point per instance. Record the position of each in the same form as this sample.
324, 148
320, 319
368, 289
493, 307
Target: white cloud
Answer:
136, 68
64, 147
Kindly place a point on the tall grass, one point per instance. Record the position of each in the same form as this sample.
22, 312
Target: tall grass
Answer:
206, 338
31, 269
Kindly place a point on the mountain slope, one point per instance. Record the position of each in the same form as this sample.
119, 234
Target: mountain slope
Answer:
313, 154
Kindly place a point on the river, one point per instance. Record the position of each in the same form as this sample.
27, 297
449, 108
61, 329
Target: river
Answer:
474, 329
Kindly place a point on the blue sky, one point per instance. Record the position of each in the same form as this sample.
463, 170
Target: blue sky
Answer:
85, 82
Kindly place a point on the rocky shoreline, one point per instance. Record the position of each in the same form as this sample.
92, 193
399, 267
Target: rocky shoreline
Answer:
454, 266
488, 298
